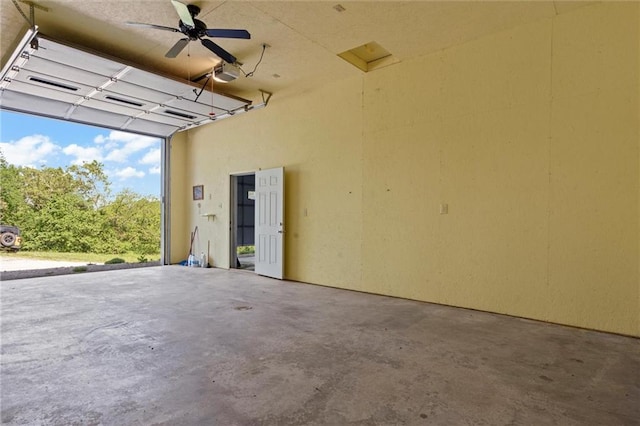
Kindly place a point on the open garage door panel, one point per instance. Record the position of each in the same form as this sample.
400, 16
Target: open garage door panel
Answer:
47, 78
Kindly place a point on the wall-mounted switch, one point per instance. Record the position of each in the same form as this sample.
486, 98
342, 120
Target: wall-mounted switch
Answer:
444, 208
209, 216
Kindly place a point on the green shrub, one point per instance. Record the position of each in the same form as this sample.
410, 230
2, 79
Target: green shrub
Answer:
114, 261
246, 249
80, 269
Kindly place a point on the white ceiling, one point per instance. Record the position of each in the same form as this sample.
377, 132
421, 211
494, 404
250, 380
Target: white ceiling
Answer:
305, 36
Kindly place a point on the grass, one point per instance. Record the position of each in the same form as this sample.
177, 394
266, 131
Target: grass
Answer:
76, 257
246, 249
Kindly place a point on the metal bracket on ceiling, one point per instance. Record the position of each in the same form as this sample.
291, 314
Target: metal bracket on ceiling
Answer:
31, 20
34, 5
269, 95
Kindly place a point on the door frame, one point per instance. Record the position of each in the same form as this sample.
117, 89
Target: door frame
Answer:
165, 201
233, 214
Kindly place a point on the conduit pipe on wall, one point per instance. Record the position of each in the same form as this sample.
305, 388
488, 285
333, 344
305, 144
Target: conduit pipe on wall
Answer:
237, 111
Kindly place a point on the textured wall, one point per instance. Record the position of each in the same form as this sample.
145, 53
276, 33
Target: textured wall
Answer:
594, 192
529, 136
319, 143
179, 204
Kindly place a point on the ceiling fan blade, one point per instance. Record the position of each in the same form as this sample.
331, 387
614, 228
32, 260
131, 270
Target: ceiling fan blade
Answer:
177, 48
225, 33
183, 13
157, 27
223, 54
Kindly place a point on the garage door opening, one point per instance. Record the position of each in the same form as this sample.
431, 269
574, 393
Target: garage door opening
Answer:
242, 230
78, 195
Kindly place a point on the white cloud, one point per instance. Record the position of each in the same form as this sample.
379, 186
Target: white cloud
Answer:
122, 144
128, 172
106, 142
154, 170
152, 157
83, 154
29, 150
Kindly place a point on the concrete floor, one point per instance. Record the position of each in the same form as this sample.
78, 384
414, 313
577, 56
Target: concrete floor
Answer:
191, 346
247, 262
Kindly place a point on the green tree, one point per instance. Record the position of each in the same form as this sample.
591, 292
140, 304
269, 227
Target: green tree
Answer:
10, 192
135, 221
40, 186
91, 182
66, 223
71, 210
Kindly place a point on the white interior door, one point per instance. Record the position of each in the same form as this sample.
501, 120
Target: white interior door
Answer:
270, 222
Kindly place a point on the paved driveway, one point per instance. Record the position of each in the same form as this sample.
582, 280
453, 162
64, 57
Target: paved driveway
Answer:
16, 263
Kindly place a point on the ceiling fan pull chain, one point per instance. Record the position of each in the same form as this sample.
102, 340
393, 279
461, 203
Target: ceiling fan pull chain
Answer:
188, 62
212, 111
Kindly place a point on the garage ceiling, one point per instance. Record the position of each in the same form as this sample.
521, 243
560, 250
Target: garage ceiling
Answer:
305, 36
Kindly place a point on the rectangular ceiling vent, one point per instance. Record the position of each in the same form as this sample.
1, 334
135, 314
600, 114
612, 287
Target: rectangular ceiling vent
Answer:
53, 83
180, 114
123, 101
368, 57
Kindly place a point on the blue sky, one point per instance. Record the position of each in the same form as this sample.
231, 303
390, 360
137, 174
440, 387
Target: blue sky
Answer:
131, 161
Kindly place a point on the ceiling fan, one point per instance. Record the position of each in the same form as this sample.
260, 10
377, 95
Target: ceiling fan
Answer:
195, 29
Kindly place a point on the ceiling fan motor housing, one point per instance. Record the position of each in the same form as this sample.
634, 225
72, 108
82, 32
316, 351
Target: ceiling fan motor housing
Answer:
193, 10
193, 33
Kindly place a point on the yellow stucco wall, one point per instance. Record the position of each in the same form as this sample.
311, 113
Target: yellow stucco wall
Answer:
178, 200
319, 145
594, 218
529, 136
